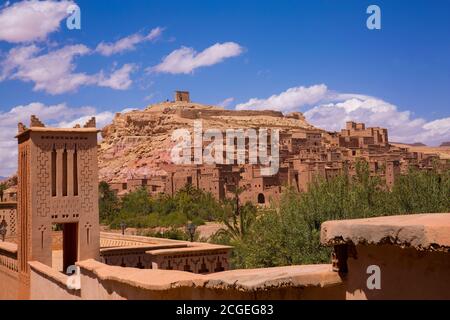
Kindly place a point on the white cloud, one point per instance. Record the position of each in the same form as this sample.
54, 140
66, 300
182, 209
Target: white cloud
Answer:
128, 43
437, 131
54, 72
330, 110
59, 115
186, 60
288, 100
33, 20
119, 79
226, 103
51, 72
401, 125
102, 119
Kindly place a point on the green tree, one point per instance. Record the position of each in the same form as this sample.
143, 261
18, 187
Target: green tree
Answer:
236, 217
290, 234
3, 188
281, 237
108, 203
138, 209
423, 191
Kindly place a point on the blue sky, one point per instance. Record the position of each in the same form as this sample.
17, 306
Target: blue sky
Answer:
317, 57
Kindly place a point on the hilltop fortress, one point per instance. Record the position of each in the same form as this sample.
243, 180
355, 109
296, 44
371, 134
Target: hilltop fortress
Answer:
135, 152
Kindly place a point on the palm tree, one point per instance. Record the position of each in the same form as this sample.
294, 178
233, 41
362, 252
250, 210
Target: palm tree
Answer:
237, 218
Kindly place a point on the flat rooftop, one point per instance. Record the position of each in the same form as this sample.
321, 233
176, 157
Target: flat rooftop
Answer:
115, 240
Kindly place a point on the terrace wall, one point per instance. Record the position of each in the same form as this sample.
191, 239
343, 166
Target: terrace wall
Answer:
8, 271
99, 281
406, 273
49, 284
411, 253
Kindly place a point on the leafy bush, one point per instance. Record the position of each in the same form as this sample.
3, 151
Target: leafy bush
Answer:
108, 203
137, 209
290, 234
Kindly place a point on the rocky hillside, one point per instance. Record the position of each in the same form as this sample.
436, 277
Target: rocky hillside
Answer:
138, 142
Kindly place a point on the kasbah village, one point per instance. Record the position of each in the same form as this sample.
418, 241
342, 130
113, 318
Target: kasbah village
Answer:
59, 170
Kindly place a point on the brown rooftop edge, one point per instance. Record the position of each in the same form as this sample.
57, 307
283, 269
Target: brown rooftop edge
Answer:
430, 232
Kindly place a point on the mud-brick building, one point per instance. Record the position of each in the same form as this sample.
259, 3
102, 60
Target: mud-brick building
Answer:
55, 221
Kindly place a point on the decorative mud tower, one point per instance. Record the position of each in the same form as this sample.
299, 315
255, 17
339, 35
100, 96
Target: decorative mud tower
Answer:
57, 189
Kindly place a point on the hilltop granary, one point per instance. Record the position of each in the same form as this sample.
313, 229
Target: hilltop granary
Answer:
55, 224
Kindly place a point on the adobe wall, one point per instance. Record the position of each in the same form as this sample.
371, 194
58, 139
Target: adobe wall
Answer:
206, 113
99, 281
9, 284
411, 251
57, 240
406, 273
49, 284
8, 271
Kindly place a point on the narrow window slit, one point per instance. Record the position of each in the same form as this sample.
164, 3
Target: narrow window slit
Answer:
53, 171
75, 172
64, 177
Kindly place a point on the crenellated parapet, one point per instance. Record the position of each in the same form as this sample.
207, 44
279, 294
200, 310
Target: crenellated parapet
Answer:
90, 124
36, 123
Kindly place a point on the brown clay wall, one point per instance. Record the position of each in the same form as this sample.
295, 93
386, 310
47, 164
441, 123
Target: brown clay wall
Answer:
8, 284
49, 284
93, 289
8, 272
195, 113
57, 240
406, 273
105, 282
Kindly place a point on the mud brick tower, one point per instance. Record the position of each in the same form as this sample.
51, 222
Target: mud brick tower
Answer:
57, 188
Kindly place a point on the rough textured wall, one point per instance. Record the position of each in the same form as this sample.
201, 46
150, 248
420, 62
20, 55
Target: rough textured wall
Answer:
99, 281
8, 271
406, 273
8, 284
49, 284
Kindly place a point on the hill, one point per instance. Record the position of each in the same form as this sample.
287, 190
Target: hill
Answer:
138, 142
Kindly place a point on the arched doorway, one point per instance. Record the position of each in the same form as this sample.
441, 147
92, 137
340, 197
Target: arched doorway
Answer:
261, 199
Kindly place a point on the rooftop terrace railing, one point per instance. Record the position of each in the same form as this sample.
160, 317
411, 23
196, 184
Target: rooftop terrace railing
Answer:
8, 256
